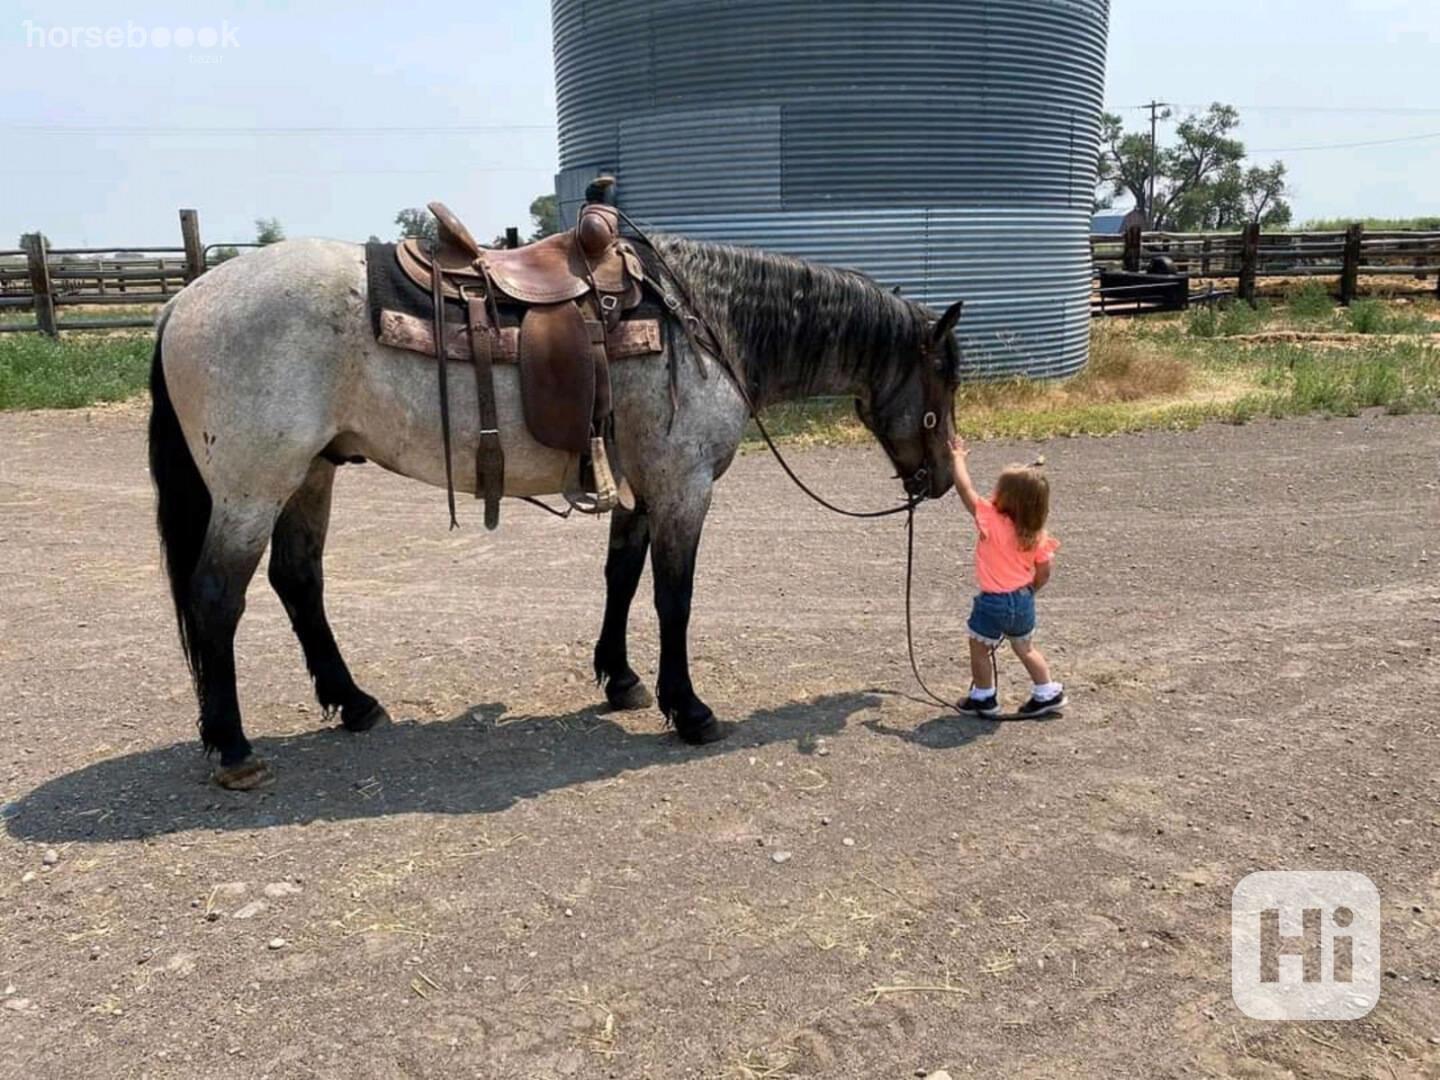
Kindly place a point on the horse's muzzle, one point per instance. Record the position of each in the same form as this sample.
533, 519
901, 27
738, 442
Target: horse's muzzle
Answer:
917, 484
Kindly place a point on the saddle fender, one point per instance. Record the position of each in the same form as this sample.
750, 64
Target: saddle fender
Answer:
558, 376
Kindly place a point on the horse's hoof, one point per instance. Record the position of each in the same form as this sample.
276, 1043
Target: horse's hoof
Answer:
246, 776
635, 696
363, 719
699, 732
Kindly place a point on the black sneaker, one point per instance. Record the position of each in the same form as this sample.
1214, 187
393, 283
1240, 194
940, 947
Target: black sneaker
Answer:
1035, 707
973, 706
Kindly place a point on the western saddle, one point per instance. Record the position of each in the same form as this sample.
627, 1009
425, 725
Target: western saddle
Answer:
570, 291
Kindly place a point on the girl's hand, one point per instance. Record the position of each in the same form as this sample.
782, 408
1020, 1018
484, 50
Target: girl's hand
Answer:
963, 487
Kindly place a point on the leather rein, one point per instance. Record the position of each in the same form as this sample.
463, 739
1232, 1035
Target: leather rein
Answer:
694, 325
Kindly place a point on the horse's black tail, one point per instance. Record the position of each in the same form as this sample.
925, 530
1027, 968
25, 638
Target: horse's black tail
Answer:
182, 511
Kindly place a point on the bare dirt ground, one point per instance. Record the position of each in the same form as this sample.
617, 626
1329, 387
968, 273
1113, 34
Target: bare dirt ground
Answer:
510, 883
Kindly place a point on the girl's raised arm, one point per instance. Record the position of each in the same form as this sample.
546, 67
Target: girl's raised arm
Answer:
963, 487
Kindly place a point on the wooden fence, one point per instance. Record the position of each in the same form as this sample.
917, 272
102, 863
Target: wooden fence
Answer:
1249, 255
46, 280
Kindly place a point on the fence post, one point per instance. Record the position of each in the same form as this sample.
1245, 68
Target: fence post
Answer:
512, 237
194, 250
1205, 248
37, 257
1350, 273
1249, 262
1132, 248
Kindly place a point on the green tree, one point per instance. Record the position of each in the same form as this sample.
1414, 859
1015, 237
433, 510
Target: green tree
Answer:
1264, 192
1234, 199
268, 230
221, 254
25, 239
545, 215
1200, 181
418, 223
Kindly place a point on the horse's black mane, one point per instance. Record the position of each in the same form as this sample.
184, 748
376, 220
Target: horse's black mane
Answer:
791, 322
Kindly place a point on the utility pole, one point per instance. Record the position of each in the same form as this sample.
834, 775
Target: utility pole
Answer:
1154, 107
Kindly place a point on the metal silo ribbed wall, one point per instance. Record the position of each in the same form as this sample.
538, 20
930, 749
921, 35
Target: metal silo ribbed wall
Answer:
947, 147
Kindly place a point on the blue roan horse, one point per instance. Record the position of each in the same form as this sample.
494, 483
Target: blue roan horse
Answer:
267, 373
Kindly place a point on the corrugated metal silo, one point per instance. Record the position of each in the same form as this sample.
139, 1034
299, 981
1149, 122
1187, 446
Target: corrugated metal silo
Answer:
947, 146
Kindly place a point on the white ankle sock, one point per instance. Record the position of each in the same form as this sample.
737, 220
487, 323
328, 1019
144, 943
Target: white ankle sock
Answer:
982, 695
1046, 691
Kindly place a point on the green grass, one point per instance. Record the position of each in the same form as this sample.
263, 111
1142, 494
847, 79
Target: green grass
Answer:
79, 369
1309, 309
1311, 301
1375, 317
1398, 377
1367, 317
82, 313
1158, 374
1421, 224
1227, 320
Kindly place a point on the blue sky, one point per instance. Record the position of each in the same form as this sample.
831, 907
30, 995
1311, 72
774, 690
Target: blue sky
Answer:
105, 143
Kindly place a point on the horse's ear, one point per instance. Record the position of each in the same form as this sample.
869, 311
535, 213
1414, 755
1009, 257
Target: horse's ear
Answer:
947, 322
895, 291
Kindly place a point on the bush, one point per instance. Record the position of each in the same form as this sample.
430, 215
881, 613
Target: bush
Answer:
1311, 301
1240, 318
1203, 322
1368, 317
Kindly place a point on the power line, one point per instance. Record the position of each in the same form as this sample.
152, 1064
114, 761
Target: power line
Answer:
1387, 110
455, 129
1153, 105
1345, 146
230, 173
1364, 109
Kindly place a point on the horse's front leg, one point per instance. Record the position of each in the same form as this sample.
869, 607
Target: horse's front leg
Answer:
675, 537
629, 543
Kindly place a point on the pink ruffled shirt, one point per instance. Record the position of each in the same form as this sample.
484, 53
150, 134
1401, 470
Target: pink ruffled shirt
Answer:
1001, 564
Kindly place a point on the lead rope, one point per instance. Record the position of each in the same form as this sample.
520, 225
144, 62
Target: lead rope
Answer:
718, 348
908, 507
909, 625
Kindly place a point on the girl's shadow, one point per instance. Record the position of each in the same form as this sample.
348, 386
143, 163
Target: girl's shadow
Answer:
948, 732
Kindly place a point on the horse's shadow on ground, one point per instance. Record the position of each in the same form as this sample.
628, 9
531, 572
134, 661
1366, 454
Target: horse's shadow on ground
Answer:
480, 761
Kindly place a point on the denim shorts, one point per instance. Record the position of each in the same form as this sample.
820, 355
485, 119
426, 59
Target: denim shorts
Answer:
997, 616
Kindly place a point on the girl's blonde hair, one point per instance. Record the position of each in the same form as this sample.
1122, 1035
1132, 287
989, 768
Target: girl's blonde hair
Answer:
1023, 495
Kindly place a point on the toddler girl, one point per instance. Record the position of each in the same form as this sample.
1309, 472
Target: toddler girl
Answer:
1012, 564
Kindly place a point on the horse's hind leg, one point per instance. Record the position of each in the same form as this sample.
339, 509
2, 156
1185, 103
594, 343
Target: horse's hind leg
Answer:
234, 541
297, 549
629, 543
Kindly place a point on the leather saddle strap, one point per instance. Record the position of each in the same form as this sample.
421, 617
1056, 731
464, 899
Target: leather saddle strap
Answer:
437, 297
490, 457
600, 356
